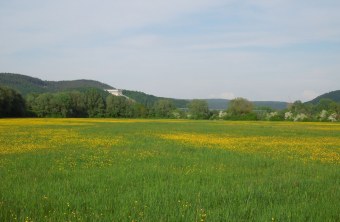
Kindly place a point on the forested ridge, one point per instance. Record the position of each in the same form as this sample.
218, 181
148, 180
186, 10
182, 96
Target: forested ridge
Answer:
150, 100
88, 98
26, 84
334, 95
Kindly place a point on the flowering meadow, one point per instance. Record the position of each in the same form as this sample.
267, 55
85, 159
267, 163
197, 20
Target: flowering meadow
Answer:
168, 170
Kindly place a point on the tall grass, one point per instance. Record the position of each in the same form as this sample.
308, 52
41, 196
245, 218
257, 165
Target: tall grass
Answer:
127, 170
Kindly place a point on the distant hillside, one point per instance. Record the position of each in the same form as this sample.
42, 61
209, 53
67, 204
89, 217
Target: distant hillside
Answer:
272, 104
218, 104
222, 104
26, 84
150, 100
215, 104
334, 95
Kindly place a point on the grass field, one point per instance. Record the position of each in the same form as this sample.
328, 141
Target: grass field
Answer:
168, 170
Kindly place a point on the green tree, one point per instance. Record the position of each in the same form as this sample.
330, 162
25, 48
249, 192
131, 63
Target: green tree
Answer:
240, 106
31, 104
95, 105
163, 108
118, 106
198, 109
139, 110
300, 107
11, 103
326, 104
41, 104
61, 105
78, 104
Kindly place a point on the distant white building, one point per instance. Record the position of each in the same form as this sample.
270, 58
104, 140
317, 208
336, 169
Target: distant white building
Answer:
115, 92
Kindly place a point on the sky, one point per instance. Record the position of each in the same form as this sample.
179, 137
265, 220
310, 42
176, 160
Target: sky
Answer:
278, 50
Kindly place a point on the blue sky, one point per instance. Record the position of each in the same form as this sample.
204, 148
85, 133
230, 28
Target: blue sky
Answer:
262, 50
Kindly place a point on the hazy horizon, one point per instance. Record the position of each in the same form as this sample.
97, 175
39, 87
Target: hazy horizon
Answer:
264, 51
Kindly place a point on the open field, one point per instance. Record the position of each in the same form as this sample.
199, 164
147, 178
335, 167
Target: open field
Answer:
168, 170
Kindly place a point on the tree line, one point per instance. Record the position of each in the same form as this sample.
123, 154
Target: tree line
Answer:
86, 103
97, 103
324, 110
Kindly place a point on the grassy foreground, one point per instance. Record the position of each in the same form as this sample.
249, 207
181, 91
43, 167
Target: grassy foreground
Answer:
168, 170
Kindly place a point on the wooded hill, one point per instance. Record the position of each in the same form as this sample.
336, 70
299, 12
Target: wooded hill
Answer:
26, 85
334, 95
222, 104
150, 100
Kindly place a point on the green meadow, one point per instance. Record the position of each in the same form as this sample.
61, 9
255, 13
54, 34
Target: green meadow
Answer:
168, 170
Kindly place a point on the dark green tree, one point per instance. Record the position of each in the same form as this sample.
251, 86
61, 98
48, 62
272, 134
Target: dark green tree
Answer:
326, 104
95, 105
31, 104
163, 108
78, 108
240, 106
61, 105
118, 106
11, 103
298, 107
198, 109
40, 104
139, 110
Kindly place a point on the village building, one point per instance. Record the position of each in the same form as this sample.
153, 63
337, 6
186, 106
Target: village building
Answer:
116, 92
